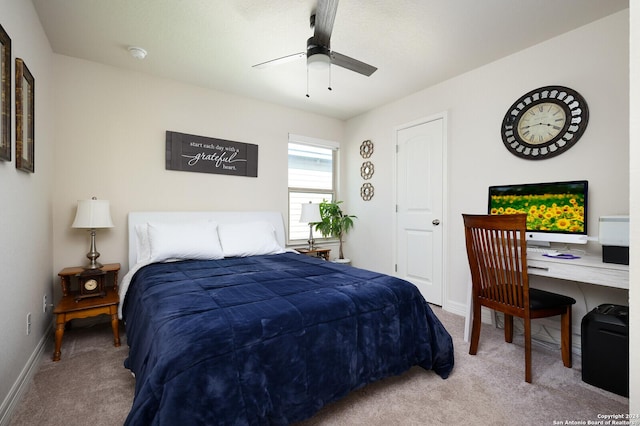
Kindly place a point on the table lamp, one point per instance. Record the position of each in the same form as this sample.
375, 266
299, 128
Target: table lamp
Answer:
310, 214
93, 214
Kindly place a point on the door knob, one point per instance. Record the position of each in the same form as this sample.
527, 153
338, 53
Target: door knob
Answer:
436, 222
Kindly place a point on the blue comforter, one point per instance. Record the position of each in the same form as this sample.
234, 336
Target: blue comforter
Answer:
269, 339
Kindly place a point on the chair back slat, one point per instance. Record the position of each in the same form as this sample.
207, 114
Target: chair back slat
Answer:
497, 254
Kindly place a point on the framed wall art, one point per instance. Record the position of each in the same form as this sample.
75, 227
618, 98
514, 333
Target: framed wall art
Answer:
5, 96
25, 96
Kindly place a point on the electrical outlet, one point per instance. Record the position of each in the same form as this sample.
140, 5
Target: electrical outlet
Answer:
28, 323
44, 303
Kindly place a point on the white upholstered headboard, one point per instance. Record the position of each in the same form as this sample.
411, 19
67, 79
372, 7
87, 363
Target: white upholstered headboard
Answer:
135, 218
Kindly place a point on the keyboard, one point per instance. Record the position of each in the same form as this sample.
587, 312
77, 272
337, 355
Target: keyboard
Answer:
541, 250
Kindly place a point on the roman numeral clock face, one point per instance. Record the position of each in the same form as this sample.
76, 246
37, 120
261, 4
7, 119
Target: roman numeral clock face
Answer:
545, 122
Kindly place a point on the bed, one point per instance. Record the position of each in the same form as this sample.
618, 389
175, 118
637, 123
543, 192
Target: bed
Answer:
225, 326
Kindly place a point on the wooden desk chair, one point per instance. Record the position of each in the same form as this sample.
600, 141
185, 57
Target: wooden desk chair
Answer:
497, 252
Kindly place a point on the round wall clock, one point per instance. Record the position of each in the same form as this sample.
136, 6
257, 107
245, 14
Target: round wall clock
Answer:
545, 122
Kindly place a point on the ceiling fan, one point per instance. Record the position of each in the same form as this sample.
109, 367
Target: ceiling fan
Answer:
318, 52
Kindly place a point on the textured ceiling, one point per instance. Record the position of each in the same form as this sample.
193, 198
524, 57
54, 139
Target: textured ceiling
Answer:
214, 43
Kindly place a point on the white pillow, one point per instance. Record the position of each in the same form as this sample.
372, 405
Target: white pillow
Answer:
248, 239
195, 240
142, 243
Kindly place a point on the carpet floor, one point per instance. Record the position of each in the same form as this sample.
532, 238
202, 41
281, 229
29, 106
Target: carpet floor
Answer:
90, 386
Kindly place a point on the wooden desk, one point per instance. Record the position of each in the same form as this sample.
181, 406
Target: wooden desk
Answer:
588, 269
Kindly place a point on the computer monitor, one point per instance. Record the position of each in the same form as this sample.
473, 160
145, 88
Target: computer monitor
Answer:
556, 211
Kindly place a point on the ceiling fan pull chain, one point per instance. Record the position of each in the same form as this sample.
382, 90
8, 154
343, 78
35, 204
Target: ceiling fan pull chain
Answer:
329, 78
307, 95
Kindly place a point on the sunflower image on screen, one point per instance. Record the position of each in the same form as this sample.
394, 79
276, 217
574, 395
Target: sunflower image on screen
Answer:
553, 207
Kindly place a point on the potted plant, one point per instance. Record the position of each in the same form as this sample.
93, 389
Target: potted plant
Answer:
335, 223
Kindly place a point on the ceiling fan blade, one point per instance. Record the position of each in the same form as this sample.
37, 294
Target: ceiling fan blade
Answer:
279, 61
352, 64
325, 16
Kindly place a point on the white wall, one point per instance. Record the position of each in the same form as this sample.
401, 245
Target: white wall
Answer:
111, 144
593, 60
634, 291
25, 211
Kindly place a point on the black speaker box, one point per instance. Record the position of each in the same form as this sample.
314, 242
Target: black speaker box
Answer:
615, 254
605, 348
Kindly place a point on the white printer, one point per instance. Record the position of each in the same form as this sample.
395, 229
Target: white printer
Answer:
613, 234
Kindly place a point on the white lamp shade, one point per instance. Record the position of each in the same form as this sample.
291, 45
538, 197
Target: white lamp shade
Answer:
319, 61
310, 213
93, 214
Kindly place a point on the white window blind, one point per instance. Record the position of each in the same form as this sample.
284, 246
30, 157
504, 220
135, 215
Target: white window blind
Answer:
312, 167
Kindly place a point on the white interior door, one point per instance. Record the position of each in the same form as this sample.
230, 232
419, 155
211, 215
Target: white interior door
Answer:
419, 180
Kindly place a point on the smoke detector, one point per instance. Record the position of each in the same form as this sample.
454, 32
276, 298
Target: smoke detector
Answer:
137, 52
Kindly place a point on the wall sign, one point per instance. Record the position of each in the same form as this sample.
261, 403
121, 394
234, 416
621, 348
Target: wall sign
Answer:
191, 153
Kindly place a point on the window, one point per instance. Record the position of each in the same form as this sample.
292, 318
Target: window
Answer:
312, 177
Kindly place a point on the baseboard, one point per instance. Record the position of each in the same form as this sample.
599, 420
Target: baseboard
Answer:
21, 384
455, 308
462, 310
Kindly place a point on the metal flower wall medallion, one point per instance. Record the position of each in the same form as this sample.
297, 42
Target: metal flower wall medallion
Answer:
366, 192
366, 149
366, 170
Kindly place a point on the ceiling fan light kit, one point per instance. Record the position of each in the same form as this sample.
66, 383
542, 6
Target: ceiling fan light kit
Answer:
319, 61
317, 56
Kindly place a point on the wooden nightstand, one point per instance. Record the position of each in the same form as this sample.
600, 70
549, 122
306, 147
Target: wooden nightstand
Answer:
316, 252
71, 308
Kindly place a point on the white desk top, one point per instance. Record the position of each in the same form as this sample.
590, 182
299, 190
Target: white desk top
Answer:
588, 268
